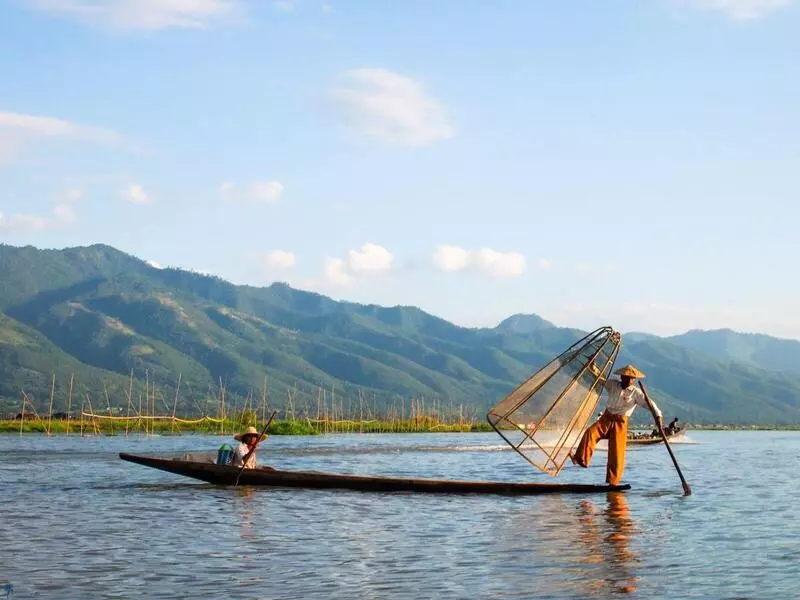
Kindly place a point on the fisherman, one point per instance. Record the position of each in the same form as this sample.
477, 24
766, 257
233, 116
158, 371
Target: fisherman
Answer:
247, 442
623, 397
672, 428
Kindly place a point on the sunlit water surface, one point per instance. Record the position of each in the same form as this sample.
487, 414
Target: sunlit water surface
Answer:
77, 522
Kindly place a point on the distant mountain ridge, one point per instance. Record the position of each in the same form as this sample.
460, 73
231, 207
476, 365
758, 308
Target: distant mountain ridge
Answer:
756, 349
101, 314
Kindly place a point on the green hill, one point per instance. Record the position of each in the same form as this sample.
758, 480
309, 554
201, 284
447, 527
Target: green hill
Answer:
101, 315
755, 349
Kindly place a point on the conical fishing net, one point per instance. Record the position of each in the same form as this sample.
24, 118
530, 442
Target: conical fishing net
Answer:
543, 419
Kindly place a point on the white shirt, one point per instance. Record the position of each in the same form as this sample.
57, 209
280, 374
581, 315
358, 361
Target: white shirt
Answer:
238, 456
622, 401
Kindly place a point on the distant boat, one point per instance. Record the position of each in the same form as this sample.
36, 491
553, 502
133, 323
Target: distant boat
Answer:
226, 475
644, 441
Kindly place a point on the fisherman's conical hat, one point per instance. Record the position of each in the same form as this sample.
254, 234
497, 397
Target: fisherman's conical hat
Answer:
249, 431
630, 371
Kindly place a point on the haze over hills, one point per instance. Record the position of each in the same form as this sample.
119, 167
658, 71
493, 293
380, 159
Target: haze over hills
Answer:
101, 314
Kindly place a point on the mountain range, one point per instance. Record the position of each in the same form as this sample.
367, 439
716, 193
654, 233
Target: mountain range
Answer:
101, 315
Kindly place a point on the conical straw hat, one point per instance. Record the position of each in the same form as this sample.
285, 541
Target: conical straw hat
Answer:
630, 371
249, 431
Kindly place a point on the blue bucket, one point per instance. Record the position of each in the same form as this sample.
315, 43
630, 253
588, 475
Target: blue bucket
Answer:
224, 455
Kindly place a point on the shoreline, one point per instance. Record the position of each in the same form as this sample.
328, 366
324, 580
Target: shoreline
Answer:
93, 428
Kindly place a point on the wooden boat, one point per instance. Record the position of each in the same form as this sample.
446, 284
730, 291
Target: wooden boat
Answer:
226, 475
645, 441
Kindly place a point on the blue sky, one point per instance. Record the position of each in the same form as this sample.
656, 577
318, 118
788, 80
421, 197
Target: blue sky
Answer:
616, 162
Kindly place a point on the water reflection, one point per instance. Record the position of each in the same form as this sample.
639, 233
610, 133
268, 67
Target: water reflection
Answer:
243, 509
580, 547
606, 535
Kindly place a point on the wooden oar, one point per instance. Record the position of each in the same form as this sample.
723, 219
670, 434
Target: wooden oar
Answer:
686, 489
253, 449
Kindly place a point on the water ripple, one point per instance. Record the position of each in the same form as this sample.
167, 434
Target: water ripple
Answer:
76, 522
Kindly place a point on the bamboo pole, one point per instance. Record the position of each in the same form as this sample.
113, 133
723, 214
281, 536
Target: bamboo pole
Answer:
50, 409
153, 404
69, 404
22, 414
108, 404
319, 400
146, 399
130, 399
221, 407
95, 426
175, 404
264, 401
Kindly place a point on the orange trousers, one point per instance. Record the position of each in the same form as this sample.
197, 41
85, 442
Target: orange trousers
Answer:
614, 429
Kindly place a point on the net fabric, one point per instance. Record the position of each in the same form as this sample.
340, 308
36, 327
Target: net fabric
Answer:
545, 416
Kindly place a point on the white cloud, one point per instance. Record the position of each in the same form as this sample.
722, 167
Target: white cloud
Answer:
34, 125
22, 223
740, 9
451, 258
499, 264
391, 107
135, 194
279, 259
141, 14
336, 271
485, 261
368, 260
17, 129
154, 264
65, 213
266, 192
258, 192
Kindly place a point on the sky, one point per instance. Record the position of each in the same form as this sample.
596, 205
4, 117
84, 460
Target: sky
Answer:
632, 164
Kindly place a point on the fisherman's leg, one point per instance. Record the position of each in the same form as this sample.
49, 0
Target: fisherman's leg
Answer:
583, 453
617, 443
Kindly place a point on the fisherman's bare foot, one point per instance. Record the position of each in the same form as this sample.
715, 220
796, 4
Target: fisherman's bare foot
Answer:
574, 460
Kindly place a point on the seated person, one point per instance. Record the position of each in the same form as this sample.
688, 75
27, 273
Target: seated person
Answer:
248, 440
672, 428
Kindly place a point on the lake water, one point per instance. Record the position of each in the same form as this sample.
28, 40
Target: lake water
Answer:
77, 522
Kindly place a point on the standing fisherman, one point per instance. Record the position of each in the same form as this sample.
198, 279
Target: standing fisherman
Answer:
623, 397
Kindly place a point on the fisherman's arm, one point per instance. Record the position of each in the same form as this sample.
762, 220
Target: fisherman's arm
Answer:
596, 372
657, 415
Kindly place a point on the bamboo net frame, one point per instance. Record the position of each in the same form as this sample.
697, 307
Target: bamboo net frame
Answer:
544, 417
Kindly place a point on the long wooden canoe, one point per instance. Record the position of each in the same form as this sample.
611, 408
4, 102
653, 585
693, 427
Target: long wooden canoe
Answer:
226, 475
